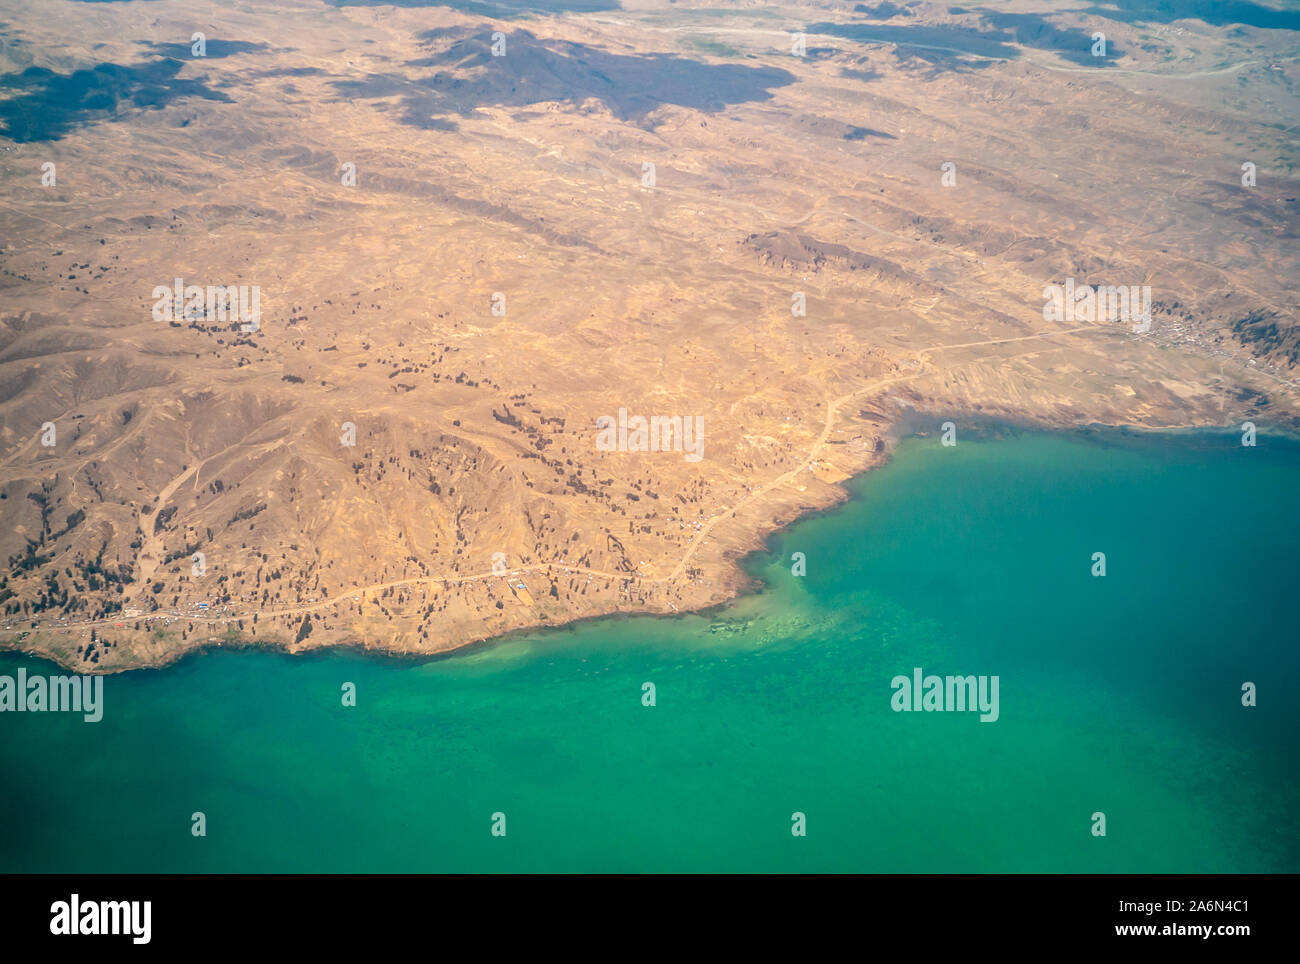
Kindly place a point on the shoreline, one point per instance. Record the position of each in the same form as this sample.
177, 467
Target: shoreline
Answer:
738, 578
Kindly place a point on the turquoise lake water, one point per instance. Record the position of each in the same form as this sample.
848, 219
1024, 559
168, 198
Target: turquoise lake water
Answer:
1119, 694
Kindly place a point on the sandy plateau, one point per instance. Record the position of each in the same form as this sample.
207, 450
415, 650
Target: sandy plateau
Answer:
198, 487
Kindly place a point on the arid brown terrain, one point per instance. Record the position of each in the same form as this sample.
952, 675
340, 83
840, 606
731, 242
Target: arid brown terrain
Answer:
477, 229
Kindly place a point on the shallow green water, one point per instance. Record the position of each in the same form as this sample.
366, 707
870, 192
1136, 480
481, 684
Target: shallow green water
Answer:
1118, 694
